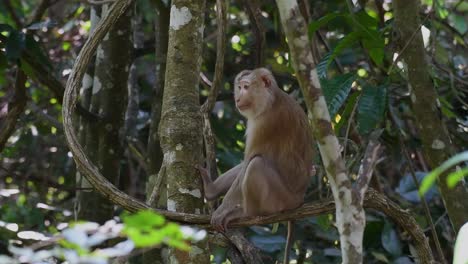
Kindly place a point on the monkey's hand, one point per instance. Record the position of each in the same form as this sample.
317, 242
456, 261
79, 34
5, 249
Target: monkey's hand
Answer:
218, 221
223, 216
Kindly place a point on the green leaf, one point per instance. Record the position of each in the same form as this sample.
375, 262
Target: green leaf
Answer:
459, 23
371, 108
314, 26
375, 44
432, 176
366, 20
454, 177
336, 91
324, 221
322, 66
375, 49
144, 219
344, 43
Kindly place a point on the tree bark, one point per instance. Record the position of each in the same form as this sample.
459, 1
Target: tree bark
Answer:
181, 121
435, 138
350, 215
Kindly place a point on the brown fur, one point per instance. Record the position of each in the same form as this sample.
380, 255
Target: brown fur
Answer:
278, 156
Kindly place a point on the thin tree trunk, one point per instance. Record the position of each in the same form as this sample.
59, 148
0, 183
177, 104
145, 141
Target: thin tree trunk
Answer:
181, 120
435, 138
109, 100
350, 215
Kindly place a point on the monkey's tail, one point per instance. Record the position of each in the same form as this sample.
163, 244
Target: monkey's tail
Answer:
289, 240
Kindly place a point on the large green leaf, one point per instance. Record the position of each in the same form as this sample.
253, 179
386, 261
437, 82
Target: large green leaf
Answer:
344, 43
336, 91
371, 108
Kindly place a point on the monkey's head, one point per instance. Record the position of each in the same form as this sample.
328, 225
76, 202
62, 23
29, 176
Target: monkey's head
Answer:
254, 92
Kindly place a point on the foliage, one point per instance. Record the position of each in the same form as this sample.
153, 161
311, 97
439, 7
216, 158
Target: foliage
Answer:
88, 242
453, 177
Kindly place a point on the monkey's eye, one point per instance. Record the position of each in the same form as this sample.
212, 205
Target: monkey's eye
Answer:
246, 87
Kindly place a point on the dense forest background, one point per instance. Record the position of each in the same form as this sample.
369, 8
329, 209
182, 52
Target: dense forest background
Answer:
396, 67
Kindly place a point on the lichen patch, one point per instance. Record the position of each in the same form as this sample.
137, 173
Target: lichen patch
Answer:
179, 17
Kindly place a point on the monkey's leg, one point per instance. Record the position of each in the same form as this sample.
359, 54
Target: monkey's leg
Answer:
264, 191
221, 185
230, 208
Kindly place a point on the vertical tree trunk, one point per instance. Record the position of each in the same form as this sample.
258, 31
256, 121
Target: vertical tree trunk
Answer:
155, 156
89, 199
434, 135
350, 215
109, 100
181, 122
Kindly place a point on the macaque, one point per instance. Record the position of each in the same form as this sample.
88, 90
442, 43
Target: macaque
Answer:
277, 164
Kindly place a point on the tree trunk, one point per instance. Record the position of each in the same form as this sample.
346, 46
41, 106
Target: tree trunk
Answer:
435, 138
109, 100
181, 120
350, 215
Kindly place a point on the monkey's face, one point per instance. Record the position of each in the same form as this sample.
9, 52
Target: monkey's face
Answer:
251, 94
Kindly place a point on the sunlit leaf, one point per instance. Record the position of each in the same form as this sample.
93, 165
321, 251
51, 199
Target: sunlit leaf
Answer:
336, 91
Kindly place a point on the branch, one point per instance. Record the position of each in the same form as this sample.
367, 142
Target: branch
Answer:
15, 108
258, 31
206, 108
368, 163
14, 16
221, 15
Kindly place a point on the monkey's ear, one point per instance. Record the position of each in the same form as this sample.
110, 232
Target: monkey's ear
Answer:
266, 80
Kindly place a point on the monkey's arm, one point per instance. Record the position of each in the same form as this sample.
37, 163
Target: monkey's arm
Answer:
221, 185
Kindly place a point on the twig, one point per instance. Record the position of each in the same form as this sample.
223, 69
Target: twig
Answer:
368, 162
350, 120
14, 16
427, 212
209, 139
40, 10
155, 193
